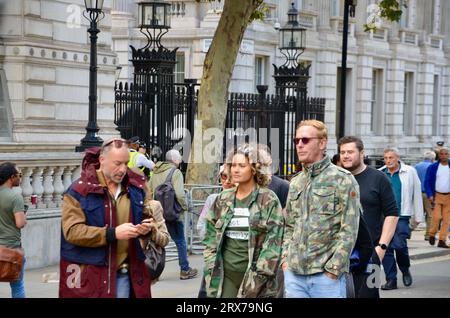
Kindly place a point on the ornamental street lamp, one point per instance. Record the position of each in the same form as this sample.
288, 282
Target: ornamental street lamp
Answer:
94, 14
292, 39
154, 69
154, 21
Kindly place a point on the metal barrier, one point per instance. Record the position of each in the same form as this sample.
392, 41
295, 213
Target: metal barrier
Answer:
195, 206
191, 216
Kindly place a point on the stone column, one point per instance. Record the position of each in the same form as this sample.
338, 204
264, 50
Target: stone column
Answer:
425, 91
27, 189
324, 15
38, 189
394, 98
437, 17
48, 187
412, 14
364, 73
67, 177
76, 173
58, 186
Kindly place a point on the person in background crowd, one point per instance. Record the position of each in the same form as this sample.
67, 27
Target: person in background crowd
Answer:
336, 160
421, 168
439, 145
437, 187
407, 191
12, 218
175, 228
226, 182
380, 210
137, 158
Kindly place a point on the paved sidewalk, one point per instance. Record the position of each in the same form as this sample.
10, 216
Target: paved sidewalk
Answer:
420, 249
170, 284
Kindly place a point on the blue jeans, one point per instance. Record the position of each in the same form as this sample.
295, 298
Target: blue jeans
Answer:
176, 231
399, 245
123, 285
313, 286
18, 287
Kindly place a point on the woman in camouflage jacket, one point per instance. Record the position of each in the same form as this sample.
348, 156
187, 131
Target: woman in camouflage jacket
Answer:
244, 231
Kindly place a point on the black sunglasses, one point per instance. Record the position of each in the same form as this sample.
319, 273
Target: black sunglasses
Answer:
304, 140
118, 143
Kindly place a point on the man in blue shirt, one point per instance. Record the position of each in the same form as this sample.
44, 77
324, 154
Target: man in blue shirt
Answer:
421, 167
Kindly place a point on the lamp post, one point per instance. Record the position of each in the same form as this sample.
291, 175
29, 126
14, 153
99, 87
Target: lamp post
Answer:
291, 79
154, 69
349, 7
94, 14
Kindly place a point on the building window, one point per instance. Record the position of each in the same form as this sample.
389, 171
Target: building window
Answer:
376, 102
436, 131
436, 17
179, 68
260, 71
408, 104
4, 118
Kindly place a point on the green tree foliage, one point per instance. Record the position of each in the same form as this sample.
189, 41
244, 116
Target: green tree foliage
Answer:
389, 10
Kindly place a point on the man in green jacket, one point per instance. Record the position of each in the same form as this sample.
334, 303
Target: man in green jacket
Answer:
175, 228
322, 218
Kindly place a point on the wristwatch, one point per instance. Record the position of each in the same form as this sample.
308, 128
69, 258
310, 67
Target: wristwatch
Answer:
383, 246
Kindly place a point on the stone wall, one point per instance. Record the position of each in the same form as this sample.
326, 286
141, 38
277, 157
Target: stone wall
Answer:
420, 46
44, 55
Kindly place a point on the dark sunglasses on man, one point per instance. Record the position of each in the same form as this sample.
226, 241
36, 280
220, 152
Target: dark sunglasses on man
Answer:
304, 140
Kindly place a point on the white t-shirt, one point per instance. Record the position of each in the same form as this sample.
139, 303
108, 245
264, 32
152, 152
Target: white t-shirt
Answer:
443, 179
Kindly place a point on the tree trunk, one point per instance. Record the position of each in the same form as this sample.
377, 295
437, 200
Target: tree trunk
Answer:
213, 95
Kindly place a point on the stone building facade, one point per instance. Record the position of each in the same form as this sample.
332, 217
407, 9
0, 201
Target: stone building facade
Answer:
398, 77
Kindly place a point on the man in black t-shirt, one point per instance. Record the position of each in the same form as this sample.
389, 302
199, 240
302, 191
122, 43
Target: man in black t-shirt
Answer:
377, 197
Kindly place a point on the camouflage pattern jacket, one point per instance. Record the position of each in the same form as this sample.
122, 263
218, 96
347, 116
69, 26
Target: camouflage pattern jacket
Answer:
322, 220
266, 224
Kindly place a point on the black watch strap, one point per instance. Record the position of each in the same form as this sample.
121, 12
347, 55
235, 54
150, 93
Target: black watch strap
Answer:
383, 246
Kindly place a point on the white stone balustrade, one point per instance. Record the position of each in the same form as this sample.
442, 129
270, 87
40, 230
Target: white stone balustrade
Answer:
308, 19
45, 176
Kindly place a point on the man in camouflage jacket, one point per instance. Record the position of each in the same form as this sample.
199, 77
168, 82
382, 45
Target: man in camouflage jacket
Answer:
265, 240
322, 220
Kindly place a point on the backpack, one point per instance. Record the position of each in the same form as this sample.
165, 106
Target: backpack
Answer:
165, 194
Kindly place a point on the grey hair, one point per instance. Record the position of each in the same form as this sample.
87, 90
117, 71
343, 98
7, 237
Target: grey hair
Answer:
392, 149
443, 148
429, 154
174, 156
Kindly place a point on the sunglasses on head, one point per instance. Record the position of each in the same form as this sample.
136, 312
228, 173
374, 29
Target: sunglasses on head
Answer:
304, 140
118, 143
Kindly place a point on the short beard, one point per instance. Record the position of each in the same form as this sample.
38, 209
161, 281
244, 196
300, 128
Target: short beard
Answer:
355, 168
